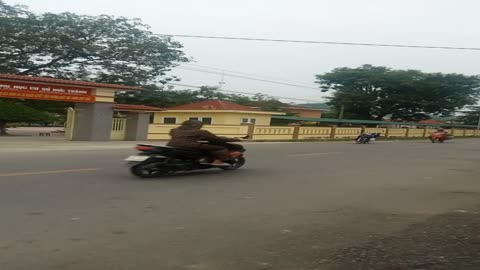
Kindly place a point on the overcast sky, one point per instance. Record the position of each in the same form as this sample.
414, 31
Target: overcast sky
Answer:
421, 22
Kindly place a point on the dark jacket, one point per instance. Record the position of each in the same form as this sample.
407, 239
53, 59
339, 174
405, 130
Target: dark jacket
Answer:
186, 137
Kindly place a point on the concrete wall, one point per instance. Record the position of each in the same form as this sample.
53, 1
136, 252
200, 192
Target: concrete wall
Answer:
93, 121
160, 132
137, 126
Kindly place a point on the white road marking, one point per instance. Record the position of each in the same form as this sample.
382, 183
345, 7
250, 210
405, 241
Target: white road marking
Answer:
314, 154
49, 172
416, 147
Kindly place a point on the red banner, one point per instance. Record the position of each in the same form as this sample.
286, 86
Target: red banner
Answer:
45, 92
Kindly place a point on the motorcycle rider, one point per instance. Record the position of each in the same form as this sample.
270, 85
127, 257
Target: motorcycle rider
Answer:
440, 132
189, 135
361, 135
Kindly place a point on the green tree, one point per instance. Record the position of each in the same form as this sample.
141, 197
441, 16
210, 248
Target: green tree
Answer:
261, 101
17, 112
371, 92
156, 96
472, 116
97, 48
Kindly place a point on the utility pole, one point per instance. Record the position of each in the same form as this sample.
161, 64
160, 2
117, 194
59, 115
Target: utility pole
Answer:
342, 110
478, 124
222, 80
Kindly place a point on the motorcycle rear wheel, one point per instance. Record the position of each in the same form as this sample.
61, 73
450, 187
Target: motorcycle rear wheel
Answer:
146, 171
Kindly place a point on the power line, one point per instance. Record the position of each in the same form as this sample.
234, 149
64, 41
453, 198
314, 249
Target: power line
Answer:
288, 98
280, 97
325, 42
250, 74
244, 93
248, 78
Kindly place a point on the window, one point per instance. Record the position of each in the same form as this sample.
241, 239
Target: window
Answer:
249, 121
207, 120
152, 118
169, 120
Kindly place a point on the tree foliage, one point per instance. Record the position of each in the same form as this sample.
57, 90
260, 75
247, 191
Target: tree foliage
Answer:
159, 97
472, 116
372, 92
94, 48
18, 112
97, 48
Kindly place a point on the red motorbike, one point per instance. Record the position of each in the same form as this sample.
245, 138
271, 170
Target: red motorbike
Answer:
439, 137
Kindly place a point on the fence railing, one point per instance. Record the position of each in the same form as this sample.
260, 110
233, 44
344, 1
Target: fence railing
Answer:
272, 133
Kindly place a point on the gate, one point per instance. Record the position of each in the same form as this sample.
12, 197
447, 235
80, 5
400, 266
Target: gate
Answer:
69, 124
119, 128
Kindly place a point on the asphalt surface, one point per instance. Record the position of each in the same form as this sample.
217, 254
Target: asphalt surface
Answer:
298, 206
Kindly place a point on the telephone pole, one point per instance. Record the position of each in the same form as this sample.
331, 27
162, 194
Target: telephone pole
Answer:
342, 110
222, 80
478, 124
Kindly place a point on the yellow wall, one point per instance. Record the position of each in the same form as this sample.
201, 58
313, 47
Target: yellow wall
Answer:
273, 133
218, 118
314, 132
161, 132
416, 132
382, 131
341, 132
104, 95
469, 132
397, 132
236, 118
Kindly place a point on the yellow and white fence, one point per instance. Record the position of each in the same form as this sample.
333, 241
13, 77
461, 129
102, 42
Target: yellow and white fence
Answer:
272, 133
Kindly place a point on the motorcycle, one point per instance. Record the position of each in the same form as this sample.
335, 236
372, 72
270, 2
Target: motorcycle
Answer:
157, 161
440, 137
366, 138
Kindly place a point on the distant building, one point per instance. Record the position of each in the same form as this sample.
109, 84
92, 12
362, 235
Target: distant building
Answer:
214, 112
320, 106
309, 110
303, 111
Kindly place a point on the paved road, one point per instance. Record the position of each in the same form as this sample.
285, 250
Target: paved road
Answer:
293, 207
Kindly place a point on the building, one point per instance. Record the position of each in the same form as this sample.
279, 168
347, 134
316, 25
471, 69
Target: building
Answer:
301, 111
319, 106
130, 122
214, 112
92, 118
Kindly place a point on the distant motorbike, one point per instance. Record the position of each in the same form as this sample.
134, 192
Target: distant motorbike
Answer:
156, 161
440, 137
366, 138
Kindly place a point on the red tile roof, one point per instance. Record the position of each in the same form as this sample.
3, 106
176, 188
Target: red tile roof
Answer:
213, 104
432, 121
66, 82
128, 107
